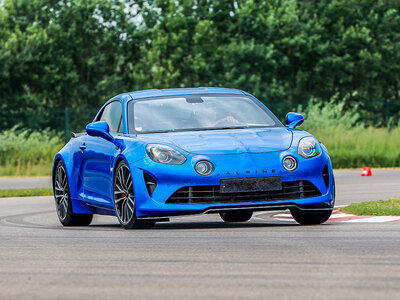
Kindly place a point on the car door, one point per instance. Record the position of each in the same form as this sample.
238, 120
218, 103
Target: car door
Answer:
98, 156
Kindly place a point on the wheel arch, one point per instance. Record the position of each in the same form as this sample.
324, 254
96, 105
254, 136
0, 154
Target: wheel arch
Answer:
118, 159
78, 206
57, 159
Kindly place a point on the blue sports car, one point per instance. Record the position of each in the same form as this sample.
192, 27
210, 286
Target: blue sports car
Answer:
150, 155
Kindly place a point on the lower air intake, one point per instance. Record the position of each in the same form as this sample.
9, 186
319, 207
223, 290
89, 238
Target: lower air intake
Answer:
325, 175
151, 183
211, 194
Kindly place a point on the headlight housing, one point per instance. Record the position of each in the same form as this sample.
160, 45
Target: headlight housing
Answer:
309, 147
164, 154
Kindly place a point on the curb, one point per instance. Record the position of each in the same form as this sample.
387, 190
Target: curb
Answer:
338, 216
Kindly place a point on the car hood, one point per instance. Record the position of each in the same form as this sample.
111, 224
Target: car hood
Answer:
228, 141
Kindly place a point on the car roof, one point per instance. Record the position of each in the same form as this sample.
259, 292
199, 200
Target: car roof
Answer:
174, 92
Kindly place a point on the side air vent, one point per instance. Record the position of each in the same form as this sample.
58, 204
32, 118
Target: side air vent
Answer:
151, 183
325, 175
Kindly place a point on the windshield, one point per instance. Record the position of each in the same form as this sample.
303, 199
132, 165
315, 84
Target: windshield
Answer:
197, 112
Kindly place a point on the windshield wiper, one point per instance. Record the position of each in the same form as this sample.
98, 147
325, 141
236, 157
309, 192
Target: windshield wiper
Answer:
204, 129
158, 131
226, 127
234, 127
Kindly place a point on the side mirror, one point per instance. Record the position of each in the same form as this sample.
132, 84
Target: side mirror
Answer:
100, 129
294, 119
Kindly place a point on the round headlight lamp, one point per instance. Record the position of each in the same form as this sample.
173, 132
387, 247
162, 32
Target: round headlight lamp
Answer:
289, 163
309, 147
204, 167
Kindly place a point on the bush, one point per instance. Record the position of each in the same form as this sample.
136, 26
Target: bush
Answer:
24, 152
329, 114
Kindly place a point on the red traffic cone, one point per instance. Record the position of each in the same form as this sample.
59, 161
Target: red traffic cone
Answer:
366, 172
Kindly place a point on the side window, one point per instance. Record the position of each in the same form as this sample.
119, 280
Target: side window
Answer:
112, 114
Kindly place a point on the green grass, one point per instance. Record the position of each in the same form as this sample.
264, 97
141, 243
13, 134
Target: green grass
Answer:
25, 153
358, 147
351, 144
39, 168
389, 207
26, 192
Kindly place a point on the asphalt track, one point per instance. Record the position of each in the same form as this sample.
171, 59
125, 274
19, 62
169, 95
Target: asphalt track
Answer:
201, 257
24, 182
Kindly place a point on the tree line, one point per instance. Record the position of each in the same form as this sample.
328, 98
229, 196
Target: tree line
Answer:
79, 53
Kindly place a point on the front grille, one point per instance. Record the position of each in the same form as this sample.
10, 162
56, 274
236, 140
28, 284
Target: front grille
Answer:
211, 194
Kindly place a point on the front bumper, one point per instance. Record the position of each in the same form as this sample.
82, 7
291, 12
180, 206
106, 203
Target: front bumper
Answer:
170, 178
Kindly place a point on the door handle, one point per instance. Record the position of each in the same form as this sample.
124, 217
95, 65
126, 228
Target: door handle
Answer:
83, 147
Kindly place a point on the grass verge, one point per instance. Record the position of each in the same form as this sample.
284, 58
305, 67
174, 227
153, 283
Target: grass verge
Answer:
26, 192
359, 147
27, 153
389, 207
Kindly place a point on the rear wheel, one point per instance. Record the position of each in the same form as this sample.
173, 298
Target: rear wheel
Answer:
236, 215
124, 199
63, 200
310, 217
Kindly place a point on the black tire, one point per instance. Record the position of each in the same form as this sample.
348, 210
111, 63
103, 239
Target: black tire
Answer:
310, 217
236, 215
63, 200
124, 199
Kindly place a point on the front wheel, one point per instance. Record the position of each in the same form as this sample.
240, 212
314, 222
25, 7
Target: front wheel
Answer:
236, 216
124, 199
63, 200
310, 217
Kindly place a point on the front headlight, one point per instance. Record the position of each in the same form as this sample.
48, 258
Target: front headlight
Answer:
164, 154
309, 147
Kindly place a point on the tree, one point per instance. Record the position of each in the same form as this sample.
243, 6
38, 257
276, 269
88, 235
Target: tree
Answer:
79, 53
